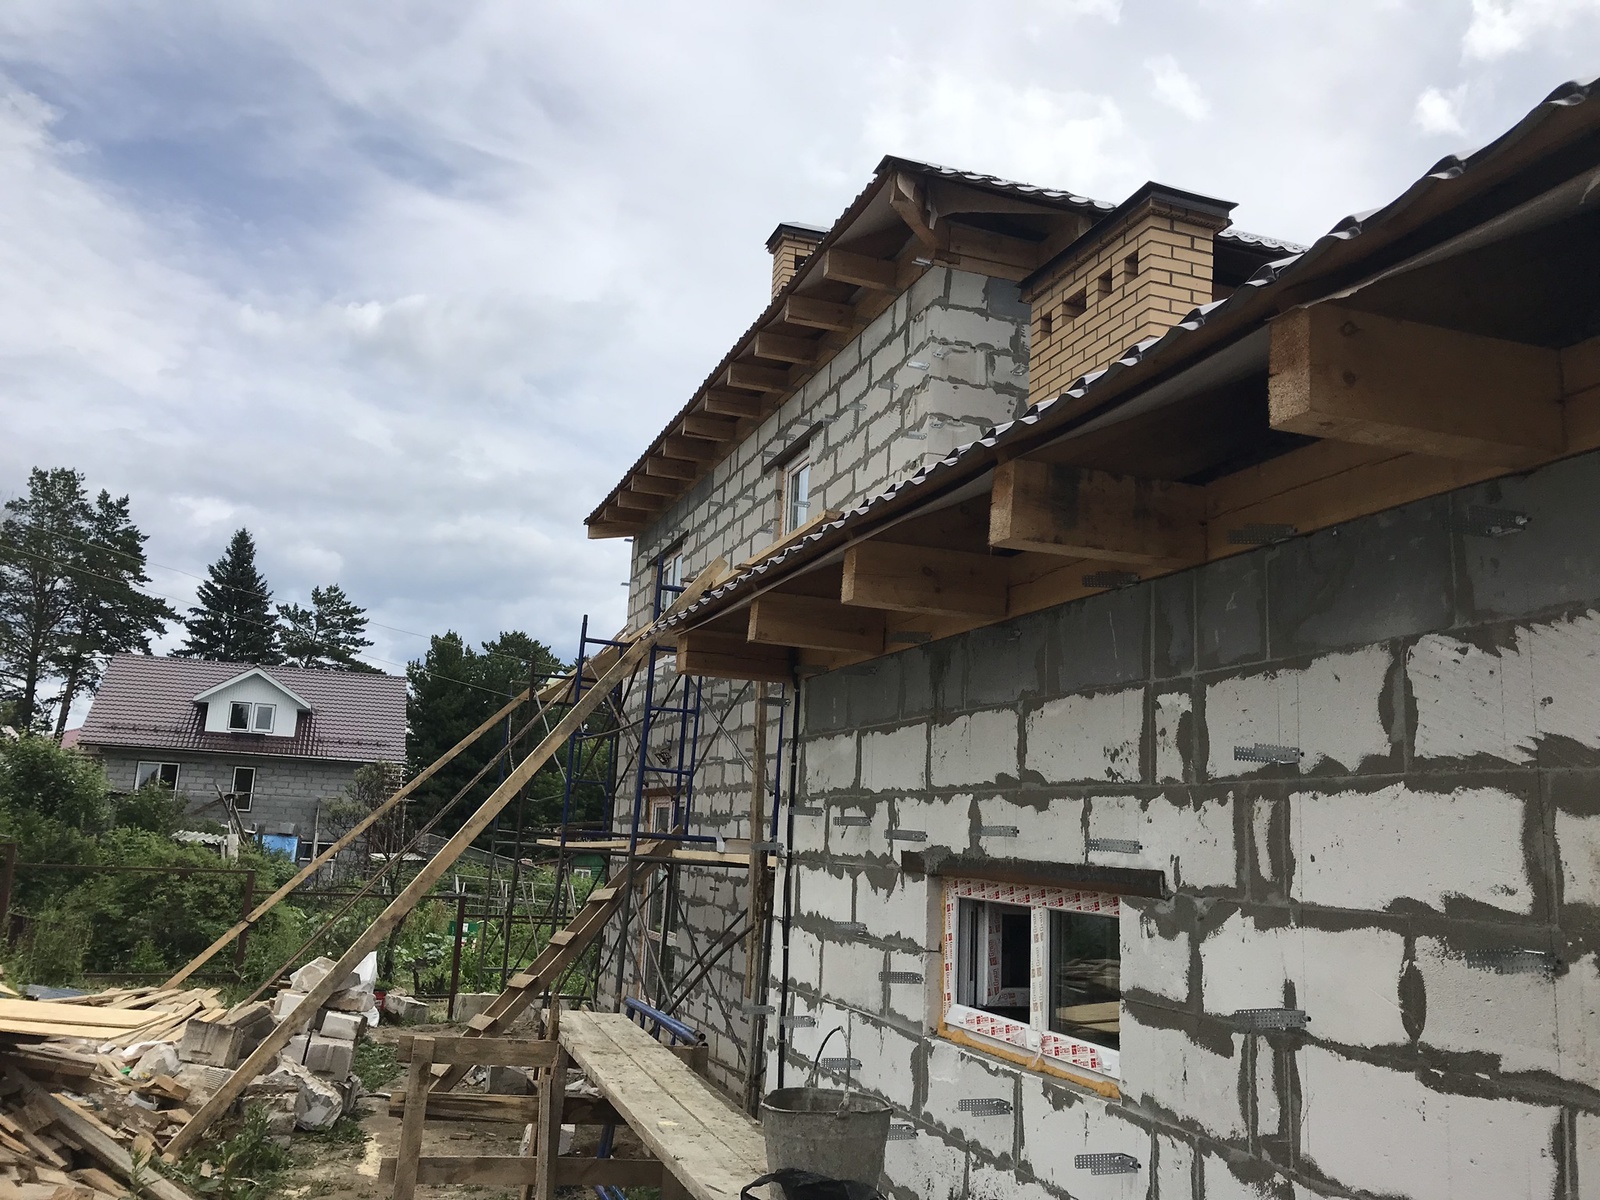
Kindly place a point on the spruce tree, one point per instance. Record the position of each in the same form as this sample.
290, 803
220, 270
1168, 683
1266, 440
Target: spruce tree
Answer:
328, 635
233, 621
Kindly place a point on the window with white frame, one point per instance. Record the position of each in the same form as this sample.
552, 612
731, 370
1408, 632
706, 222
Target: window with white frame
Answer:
164, 773
239, 716
244, 785
244, 717
796, 494
265, 713
1034, 969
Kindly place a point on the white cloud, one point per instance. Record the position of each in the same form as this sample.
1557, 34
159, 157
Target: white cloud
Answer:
1500, 27
1439, 111
1175, 89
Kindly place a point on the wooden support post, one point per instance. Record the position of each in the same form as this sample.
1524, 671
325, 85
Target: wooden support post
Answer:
410, 1150
814, 623
551, 1096
755, 894
921, 579
425, 879
1336, 372
1081, 513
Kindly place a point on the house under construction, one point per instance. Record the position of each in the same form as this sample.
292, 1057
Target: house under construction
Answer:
1143, 629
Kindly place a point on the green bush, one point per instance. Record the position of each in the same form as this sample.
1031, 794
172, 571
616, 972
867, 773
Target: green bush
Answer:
38, 776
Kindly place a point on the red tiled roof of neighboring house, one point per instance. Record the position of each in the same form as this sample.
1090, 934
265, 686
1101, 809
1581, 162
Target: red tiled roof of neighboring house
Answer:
148, 702
69, 738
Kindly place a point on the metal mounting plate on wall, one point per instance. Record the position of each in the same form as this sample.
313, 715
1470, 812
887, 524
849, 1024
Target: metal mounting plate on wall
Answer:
1115, 845
852, 821
1267, 1020
907, 835
999, 831
1106, 1164
985, 1106
900, 976
1266, 752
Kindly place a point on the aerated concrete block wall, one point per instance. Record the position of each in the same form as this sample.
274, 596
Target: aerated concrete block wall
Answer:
1444, 690
946, 362
286, 790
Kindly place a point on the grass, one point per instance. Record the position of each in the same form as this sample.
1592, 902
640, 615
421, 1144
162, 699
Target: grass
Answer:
374, 1064
248, 1165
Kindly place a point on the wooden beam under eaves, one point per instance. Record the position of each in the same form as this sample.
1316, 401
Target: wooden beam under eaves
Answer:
653, 485
601, 529
778, 348
704, 425
636, 502
986, 252
692, 449
729, 656
753, 378
814, 623
841, 266
908, 199
670, 468
1336, 372
922, 579
819, 314
722, 402
1082, 513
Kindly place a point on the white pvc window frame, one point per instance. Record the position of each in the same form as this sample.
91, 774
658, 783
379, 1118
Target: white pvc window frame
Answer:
796, 493
1033, 1037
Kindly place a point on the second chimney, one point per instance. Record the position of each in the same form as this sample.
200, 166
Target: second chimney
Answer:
790, 245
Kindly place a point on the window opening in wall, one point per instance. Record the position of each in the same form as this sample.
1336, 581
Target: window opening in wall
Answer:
310, 850
238, 716
1047, 324
672, 568
244, 784
166, 774
1076, 304
1105, 284
796, 495
1130, 267
660, 822
264, 717
1035, 970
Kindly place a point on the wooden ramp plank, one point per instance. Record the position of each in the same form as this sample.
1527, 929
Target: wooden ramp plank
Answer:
710, 1147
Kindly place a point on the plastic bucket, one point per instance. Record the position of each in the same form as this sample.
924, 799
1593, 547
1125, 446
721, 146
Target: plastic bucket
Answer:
838, 1134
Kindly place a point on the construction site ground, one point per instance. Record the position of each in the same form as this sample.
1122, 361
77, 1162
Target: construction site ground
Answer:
331, 1168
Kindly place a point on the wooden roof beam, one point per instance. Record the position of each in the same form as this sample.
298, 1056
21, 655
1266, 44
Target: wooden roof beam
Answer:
908, 198
1083, 513
693, 449
1336, 372
721, 402
777, 347
755, 378
813, 623
819, 314
841, 266
639, 503
670, 468
922, 579
705, 425
730, 656
655, 485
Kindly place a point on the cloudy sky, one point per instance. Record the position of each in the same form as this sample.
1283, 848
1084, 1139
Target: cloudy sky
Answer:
403, 285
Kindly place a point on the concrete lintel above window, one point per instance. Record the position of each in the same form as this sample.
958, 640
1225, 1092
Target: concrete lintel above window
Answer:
1116, 881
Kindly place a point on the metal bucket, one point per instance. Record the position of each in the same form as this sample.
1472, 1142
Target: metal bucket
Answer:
838, 1134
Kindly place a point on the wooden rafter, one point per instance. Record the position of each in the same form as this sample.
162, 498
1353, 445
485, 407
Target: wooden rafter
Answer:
819, 314
841, 266
755, 378
1083, 513
780, 348
731, 656
921, 579
812, 623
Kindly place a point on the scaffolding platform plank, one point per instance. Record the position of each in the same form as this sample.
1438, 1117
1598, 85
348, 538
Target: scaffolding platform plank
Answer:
737, 853
710, 1147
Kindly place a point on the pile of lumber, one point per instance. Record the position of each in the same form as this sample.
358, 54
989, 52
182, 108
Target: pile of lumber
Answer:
122, 1017
67, 1127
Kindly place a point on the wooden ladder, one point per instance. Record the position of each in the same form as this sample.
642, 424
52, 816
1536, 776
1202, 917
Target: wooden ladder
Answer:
563, 949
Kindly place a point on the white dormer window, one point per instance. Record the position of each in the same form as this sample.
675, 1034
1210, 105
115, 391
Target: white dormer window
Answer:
264, 717
239, 717
249, 704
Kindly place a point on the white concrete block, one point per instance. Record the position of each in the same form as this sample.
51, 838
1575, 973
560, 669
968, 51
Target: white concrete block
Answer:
1164, 1066
1531, 1021
1373, 1129
1366, 850
825, 895
1578, 839
885, 1056
858, 841
1566, 677
927, 1167
896, 760
977, 748
1151, 962
954, 1075
947, 820
995, 1183
1261, 837
343, 1025
1051, 834
1587, 1155
1347, 982
967, 289
1174, 1170
1223, 1184
1328, 710
1087, 739
1269, 1113
1059, 1124
830, 763
1170, 709
976, 329
905, 909
851, 974
1471, 701
1193, 846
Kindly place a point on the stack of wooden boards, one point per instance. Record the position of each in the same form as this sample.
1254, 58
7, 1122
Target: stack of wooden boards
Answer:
121, 1017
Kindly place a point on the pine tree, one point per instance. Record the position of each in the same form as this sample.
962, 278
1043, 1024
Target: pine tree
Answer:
328, 635
233, 621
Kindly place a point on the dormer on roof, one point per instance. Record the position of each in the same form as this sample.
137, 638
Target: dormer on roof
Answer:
252, 703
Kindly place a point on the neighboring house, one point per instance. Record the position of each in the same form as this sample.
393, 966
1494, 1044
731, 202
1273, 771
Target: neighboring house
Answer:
1191, 644
281, 742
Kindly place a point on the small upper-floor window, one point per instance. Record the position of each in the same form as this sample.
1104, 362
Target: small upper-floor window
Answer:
244, 785
238, 715
244, 717
265, 714
796, 495
1035, 969
166, 774
672, 569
